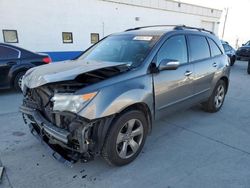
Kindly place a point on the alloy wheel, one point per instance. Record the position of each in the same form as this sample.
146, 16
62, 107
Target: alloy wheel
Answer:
129, 138
219, 97
20, 82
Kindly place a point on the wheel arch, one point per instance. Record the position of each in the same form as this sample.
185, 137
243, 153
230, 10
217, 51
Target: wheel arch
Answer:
143, 107
226, 80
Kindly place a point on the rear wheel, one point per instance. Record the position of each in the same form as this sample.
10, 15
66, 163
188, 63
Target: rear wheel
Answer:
126, 138
216, 100
18, 81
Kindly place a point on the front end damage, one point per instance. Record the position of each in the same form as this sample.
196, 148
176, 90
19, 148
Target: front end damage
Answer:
70, 136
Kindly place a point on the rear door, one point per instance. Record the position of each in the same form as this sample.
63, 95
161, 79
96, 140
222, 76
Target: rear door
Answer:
205, 67
173, 88
8, 57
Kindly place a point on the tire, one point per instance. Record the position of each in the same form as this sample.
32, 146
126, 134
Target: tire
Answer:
17, 81
117, 149
232, 60
248, 67
215, 103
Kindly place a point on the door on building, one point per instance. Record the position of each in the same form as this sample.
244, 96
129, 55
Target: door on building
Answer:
208, 25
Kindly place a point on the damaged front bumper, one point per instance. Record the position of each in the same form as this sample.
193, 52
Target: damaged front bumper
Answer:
80, 142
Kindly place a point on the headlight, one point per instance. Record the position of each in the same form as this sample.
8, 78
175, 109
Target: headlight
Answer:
70, 102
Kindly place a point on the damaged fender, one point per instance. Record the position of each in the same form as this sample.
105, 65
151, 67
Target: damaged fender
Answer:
115, 98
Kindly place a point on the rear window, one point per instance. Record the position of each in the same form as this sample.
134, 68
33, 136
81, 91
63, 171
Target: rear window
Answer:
8, 53
199, 48
215, 50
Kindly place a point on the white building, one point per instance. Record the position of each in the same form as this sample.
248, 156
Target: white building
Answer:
41, 25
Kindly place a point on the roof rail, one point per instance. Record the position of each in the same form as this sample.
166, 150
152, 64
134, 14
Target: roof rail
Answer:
182, 27
176, 27
150, 26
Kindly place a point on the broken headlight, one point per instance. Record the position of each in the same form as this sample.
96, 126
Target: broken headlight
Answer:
70, 102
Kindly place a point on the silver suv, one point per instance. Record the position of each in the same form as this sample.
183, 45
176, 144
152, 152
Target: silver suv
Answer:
105, 101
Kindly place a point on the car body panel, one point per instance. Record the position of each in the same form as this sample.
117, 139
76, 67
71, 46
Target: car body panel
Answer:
117, 97
63, 71
172, 87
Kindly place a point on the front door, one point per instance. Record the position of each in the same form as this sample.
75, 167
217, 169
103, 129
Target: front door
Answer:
173, 89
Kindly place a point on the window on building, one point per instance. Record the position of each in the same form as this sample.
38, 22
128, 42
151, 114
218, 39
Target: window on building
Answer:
215, 50
94, 38
174, 48
67, 37
8, 53
198, 47
10, 36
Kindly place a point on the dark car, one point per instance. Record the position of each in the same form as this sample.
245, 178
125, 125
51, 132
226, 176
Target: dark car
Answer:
14, 62
230, 51
243, 53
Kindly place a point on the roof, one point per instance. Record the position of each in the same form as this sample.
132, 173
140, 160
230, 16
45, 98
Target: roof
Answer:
159, 30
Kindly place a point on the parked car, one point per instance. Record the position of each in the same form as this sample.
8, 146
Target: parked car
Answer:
230, 51
14, 62
106, 101
243, 53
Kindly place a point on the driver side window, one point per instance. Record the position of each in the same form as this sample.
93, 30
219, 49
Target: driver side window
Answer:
175, 48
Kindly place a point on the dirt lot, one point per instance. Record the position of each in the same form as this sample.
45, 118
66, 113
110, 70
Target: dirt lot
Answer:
190, 149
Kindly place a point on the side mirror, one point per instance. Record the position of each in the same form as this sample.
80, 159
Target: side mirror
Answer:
243, 44
169, 64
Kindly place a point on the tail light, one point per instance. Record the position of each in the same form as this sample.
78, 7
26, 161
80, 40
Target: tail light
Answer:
47, 60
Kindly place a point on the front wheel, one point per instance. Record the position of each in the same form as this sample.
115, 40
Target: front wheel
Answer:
126, 138
216, 100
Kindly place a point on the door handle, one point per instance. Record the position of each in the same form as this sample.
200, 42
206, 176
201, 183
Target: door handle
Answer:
214, 64
188, 73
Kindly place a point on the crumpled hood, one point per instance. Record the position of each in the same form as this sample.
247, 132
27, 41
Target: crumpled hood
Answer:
62, 71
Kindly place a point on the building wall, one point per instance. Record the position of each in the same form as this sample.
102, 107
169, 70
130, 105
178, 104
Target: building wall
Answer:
40, 23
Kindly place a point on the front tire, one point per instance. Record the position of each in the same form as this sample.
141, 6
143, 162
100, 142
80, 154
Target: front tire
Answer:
18, 81
126, 138
216, 100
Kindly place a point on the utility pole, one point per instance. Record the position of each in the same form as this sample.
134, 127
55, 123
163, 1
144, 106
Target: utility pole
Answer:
224, 27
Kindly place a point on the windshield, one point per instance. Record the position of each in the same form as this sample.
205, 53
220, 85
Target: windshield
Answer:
124, 48
248, 43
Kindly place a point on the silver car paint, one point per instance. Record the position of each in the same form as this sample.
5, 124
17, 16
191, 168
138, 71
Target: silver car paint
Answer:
161, 92
116, 97
62, 71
